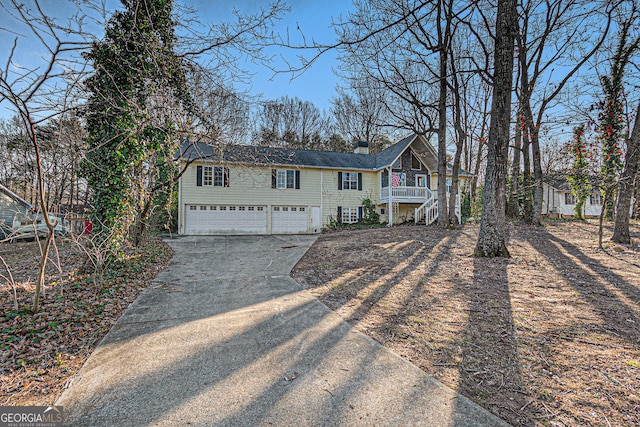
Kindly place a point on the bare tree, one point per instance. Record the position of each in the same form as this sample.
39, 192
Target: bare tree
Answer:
626, 185
36, 93
405, 48
553, 35
492, 236
224, 111
293, 123
359, 113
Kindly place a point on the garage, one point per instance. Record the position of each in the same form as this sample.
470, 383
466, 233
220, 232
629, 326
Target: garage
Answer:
289, 219
225, 219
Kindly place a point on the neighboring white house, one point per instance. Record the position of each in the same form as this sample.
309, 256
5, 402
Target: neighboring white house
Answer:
559, 201
238, 189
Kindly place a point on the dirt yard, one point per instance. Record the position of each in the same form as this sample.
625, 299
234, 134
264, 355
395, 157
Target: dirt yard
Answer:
548, 337
39, 354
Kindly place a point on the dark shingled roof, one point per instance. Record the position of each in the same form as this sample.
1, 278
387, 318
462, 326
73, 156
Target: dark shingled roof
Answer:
270, 156
248, 154
386, 157
560, 182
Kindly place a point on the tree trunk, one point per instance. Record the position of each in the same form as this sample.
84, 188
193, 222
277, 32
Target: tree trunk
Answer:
492, 235
45, 214
461, 137
476, 172
513, 205
601, 219
636, 206
538, 190
525, 188
443, 215
453, 219
626, 185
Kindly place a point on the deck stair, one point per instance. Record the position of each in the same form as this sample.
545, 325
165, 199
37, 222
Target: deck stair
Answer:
427, 213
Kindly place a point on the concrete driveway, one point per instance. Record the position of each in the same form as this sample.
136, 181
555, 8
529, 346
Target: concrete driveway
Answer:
225, 337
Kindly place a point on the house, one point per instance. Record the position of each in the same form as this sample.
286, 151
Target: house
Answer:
559, 202
10, 205
238, 189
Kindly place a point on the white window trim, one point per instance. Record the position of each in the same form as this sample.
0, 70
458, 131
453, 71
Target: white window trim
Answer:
285, 179
349, 180
349, 215
218, 176
213, 176
207, 176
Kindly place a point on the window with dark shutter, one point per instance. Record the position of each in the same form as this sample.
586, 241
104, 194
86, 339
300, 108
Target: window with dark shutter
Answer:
226, 177
199, 176
285, 178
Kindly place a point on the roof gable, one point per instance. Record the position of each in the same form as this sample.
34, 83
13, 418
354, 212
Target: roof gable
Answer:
387, 157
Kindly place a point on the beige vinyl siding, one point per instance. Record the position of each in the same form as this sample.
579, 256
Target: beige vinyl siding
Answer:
251, 186
347, 198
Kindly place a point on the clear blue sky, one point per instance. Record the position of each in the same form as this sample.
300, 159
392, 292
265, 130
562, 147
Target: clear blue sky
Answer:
314, 18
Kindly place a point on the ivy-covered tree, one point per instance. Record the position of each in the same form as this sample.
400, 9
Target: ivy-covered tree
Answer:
578, 176
612, 120
137, 92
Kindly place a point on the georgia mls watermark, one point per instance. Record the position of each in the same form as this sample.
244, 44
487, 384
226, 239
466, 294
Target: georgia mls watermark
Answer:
31, 416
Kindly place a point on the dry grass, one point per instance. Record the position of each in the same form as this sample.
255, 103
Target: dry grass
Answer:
550, 336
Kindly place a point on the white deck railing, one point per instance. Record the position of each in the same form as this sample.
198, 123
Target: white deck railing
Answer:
418, 193
428, 211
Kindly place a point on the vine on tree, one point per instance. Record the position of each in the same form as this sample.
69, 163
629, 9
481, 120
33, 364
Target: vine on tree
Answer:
612, 133
578, 176
136, 91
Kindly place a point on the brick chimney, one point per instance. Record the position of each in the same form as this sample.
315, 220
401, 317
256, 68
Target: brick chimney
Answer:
361, 147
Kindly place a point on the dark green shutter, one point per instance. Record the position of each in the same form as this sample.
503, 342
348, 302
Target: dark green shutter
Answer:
359, 181
339, 213
360, 212
274, 178
339, 180
297, 180
199, 176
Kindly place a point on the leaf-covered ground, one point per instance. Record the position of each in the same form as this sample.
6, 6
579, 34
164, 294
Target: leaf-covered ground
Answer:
549, 337
40, 353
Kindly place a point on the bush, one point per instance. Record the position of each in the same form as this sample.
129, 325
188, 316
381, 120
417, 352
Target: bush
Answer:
369, 213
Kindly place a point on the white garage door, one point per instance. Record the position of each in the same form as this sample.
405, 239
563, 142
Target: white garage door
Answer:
225, 219
289, 219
